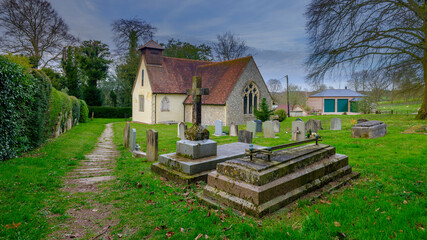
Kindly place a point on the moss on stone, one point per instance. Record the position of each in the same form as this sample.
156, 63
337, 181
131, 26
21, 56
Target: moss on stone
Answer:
196, 132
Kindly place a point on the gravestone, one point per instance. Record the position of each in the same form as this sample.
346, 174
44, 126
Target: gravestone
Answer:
276, 126
264, 181
314, 125
336, 124
126, 132
268, 129
245, 136
258, 125
218, 128
181, 129
234, 129
362, 120
298, 130
251, 127
370, 129
132, 143
152, 145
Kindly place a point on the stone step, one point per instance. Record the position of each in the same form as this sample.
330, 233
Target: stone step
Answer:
261, 194
260, 172
327, 183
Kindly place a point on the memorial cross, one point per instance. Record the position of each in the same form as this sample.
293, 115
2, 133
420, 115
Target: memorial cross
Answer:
197, 91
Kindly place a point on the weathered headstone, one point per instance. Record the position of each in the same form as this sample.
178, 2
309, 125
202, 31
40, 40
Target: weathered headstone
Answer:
132, 143
152, 145
245, 136
258, 125
181, 129
370, 129
126, 132
314, 125
218, 128
298, 130
362, 120
276, 126
268, 129
234, 129
336, 124
251, 127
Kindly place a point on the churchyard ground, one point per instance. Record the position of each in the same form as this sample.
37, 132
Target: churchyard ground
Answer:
387, 201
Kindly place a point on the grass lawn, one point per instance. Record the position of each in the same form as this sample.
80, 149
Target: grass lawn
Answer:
400, 108
387, 201
29, 185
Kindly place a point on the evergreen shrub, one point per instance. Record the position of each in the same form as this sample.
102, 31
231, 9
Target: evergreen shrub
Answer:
84, 112
264, 113
110, 112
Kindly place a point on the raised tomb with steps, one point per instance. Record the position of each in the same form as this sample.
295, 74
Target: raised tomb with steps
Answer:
268, 182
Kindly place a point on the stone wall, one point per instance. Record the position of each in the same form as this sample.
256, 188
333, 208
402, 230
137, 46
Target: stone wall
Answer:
235, 100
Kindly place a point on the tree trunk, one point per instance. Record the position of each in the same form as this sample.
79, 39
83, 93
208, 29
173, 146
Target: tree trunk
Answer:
422, 113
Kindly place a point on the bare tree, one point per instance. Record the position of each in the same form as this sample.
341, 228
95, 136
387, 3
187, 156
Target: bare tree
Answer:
130, 32
33, 28
274, 85
367, 34
229, 47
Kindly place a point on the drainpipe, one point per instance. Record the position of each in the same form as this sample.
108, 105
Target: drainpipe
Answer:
155, 108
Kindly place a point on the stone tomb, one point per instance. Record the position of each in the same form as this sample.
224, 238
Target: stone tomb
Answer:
218, 128
251, 127
258, 125
298, 130
234, 129
336, 123
370, 129
261, 186
185, 170
268, 129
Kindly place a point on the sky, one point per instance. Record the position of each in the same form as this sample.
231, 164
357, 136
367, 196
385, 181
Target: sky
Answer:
274, 30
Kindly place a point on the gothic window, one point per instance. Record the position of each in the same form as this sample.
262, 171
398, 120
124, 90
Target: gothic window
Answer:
141, 103
250, 98
165, 105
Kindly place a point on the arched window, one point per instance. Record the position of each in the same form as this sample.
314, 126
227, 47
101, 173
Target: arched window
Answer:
165, 105
250, 98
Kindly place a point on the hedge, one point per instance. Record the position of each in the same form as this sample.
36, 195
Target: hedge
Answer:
31, 110
84, 112
110, 112
15, 104
281, 113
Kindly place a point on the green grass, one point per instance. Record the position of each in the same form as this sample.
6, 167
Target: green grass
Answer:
400, 107
388, 201
29, 185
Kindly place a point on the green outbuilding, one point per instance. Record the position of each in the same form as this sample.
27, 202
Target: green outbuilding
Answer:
335, 101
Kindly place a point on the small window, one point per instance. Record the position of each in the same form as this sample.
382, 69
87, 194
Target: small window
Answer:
142, 78
141, 103
165, 105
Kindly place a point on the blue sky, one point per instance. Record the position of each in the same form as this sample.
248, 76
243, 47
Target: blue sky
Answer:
274, 30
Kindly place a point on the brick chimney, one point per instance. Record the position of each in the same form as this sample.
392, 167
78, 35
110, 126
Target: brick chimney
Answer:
152, 53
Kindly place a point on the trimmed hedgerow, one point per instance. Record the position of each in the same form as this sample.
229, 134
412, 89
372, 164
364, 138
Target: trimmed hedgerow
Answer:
15, 104
110, 112
37, 119
84, 112
60, 107
76, 110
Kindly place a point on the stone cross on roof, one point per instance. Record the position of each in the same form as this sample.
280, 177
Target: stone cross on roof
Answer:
197, 91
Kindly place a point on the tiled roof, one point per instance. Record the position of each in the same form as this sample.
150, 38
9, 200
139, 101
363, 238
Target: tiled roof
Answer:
175, 76
338, 93
152, 44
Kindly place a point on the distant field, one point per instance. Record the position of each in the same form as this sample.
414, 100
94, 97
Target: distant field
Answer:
400, 107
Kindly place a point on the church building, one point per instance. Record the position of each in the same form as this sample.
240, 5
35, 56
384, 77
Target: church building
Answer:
236, 87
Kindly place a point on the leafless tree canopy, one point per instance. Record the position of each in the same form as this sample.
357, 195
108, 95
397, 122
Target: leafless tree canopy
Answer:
274, 85
366, 34
34, 29
126, 30
229, 47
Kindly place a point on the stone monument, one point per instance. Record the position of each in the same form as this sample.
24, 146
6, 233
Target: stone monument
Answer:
276, 126
196, 156
298, 130
336, 124
251, 127
264, 181
234, 129
152, 145
245, 136
258, 125
181, 129
218, 128
132, 143
370, 129
126, 133
268, 129
313, 125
